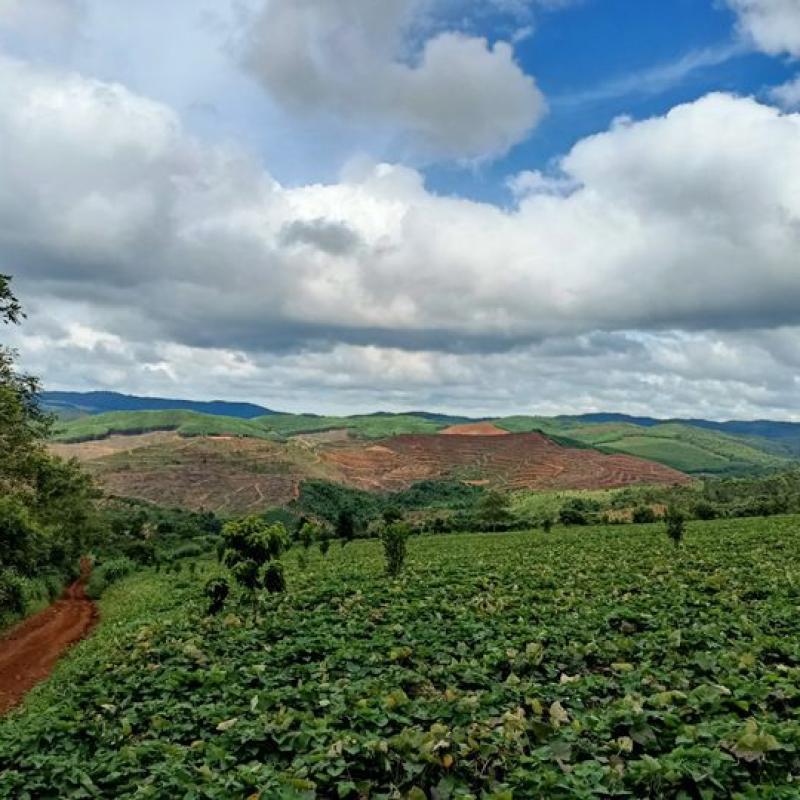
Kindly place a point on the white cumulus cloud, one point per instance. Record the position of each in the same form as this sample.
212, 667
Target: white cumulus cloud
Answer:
772, 25
447, 95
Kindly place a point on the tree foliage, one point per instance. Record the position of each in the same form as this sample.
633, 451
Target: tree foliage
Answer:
47, 514
250, 545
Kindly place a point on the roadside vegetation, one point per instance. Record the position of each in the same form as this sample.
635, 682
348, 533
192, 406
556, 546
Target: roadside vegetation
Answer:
47, 514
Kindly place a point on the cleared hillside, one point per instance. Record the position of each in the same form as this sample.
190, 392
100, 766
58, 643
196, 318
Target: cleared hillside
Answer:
237, 475
514, 461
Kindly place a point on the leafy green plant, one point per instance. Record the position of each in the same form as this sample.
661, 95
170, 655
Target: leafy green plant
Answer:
565, 666
250, 545
676, 524
108, 573
216, 592
643, 514
394, 538
345, 526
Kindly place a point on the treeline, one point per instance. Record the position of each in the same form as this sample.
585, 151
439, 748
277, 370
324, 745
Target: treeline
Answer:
47, 512
138, 534
714, 498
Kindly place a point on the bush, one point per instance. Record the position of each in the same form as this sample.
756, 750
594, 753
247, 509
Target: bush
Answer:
705, 511
110, 572
394, 538
216, 591
644, 514
12, 592
250, 547
675, 525
188, 550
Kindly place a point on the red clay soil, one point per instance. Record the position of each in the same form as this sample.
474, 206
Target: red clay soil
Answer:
474, 429
515, 461
29, 651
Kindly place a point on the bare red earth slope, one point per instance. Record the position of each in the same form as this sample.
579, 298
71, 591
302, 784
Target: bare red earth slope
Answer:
513, 461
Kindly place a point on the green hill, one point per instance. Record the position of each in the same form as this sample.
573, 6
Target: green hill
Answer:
371, 426
274, 426
690, 449
186, 423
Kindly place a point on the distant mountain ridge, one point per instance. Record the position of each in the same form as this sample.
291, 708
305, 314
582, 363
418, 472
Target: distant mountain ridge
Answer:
78, 403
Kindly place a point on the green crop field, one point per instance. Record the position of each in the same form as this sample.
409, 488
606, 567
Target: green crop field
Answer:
587, 663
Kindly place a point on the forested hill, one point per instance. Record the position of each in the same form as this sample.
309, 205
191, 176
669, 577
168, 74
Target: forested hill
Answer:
74, 404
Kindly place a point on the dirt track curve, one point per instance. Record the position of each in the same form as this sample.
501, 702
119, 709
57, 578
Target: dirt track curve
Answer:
30, 650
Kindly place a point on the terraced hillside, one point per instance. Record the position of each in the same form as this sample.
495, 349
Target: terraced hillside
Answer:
221, 474
237, 475
513, 461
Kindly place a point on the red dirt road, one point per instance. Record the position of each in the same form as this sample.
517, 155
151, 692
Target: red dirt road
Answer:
29, 651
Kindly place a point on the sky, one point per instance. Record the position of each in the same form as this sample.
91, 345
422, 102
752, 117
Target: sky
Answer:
341, 206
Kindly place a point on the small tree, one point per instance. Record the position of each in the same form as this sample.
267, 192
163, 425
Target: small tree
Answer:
309, 532
324, 541
392, 514
345, 526
675, 525
250, 545
216, 591
644, 514
394, 538
494, 510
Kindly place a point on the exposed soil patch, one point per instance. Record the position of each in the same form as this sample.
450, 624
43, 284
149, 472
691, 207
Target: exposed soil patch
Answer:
30, 650
100, 448
474, 429
513, 461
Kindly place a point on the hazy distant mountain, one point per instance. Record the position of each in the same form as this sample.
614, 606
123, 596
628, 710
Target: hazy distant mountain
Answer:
72, 404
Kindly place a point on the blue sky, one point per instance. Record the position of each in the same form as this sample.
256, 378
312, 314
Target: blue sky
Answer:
488, 207
589, 58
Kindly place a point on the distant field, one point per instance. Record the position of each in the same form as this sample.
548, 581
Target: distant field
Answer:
590, 663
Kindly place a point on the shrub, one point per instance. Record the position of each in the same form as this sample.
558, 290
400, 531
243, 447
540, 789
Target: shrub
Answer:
274, 580
188, 550
12, 592
325, 542
547, 525
705, 511
345, 526
106, 574
216, 591
644, 514
394, 538
675, 524
250, 547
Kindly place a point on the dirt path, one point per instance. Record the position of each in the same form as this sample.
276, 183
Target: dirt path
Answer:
29, 651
